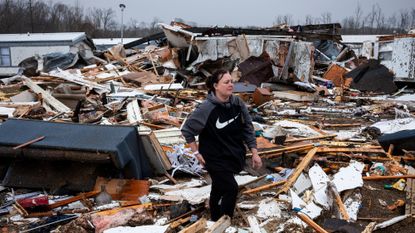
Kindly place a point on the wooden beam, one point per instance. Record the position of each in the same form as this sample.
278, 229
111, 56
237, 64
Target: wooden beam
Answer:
72, 199
265, 187
282, 149
153, 125
179, 222
351, 150
310, 138
52, 101
195, 227
339, 202
387, 177
174, 181
303, 164
299, 150
220, 225
311, 223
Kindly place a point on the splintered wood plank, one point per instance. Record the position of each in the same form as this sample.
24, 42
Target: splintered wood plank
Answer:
339, 202
52, 101
220, 225
311, 223
72, 199
265, 187
195, 227
303, 164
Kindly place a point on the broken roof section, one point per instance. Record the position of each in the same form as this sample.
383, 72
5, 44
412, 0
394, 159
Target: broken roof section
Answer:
275, 55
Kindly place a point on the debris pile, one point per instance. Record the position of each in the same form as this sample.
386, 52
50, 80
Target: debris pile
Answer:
94, 144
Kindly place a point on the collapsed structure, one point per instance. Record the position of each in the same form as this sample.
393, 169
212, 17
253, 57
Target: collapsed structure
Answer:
332, 128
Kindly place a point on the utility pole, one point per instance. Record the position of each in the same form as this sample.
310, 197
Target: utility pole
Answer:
122, 7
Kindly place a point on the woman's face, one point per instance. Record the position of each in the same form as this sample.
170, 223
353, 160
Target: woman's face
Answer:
224, 87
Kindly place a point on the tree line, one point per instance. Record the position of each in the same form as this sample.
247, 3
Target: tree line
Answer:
21, 16
374, 21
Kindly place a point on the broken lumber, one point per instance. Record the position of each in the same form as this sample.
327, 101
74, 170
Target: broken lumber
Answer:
298, 150
387, 177
352, 150
52, 101
265, 187
288, 148
311, 223
339, 202
310, 138
195, 227
72, 199
303, 164
179, 222
220, 225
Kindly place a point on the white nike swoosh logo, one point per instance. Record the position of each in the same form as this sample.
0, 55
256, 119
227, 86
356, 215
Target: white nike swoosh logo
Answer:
220, 125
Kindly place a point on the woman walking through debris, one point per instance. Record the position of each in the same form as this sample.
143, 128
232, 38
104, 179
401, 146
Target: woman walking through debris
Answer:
223, 124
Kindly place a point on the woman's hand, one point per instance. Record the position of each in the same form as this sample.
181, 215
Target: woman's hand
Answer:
200, 158
256, 160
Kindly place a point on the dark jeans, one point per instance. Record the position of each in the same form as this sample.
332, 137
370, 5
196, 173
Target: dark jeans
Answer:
225, 191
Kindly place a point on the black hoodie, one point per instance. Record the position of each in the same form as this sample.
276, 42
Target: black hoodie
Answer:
223, 128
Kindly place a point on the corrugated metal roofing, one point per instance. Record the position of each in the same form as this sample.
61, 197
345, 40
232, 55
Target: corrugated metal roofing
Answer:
42, 37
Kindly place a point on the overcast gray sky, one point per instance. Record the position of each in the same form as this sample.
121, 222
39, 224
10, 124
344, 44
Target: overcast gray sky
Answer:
239, 12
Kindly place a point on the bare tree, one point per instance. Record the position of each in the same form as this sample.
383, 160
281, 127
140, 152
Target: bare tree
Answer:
412, 18
284, 19
326, 17
358, 14
309, 19
404, 20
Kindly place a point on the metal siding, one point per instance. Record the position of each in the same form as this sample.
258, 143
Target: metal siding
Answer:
403, 58
18, 54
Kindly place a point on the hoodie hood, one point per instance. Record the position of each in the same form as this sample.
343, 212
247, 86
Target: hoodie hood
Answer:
214, 100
